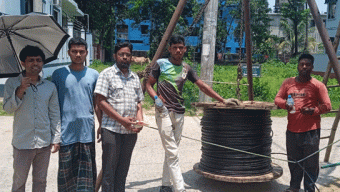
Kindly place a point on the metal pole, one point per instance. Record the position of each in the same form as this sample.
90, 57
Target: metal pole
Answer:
208, 46
325, 38
246, 4
306, 40
332, 136
332, 58
335, 46
169, 30
166, 36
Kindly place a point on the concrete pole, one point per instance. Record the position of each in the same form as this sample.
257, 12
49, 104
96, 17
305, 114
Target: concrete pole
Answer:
325, 38
208, 46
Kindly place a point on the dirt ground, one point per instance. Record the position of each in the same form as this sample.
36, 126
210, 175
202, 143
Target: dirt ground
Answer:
147, 160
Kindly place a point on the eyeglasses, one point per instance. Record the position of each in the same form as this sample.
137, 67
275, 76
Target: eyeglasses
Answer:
122, 54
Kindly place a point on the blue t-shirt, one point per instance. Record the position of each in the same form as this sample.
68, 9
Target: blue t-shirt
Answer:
75, 91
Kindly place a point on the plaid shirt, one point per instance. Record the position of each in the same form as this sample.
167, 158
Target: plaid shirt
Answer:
122, 93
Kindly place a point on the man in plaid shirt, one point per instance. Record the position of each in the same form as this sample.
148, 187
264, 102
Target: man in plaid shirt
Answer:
118, 95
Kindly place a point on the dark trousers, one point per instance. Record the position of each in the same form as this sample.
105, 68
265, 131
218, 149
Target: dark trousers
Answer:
299, 146
117, 152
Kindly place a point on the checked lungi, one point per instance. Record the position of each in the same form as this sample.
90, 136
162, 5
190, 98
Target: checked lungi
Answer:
77, 167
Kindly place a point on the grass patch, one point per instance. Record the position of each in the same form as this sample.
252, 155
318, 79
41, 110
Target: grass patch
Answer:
273, 73
3, 112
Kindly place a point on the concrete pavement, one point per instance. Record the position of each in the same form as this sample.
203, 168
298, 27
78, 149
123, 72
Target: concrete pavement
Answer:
147, 161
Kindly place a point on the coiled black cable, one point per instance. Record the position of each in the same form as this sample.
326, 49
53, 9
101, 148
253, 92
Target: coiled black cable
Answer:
248, 130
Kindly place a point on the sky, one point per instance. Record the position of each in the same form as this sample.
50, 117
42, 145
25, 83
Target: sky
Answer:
321, 5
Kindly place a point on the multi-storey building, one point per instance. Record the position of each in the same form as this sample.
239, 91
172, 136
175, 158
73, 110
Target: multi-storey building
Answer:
332, 22
139, 35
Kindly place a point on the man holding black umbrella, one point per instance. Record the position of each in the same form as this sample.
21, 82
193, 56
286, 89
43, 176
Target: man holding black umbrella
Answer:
36, 126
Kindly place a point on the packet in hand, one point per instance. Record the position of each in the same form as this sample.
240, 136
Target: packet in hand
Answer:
139, 124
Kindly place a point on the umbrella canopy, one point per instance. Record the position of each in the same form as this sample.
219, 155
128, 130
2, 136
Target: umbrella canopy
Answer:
17, 31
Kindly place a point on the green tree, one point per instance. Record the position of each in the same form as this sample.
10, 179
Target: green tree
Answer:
288, 44
260, 23
159, 13
297, 15
104, 14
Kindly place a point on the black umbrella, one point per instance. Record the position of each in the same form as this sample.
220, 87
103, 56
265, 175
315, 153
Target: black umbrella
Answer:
17, 31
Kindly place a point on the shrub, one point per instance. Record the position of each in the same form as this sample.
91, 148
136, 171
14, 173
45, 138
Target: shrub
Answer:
265, 88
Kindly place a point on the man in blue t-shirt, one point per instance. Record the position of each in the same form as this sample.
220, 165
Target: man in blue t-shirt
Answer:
75, 84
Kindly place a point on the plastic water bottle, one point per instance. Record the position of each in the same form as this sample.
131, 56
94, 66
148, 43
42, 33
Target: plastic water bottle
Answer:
290, 102
158, 102
160, 107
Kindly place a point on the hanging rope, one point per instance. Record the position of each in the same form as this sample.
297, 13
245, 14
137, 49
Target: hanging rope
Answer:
197, 18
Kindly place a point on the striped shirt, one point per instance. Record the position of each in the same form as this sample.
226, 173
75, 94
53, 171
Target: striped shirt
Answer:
122, 93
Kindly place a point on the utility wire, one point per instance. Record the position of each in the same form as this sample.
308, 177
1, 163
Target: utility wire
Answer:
242, 151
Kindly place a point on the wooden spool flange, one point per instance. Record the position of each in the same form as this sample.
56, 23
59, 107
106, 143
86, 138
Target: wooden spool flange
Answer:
274, 174
250, 105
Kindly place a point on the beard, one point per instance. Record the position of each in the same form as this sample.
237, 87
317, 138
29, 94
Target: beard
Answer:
123, 65
304, 73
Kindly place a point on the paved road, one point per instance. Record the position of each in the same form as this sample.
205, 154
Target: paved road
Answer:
146, 166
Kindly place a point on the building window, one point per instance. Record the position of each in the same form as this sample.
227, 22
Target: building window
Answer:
331, 10
122, 28
55, 13
242, 49
43, 6
122, 31
136, 41
26, 6
144, 29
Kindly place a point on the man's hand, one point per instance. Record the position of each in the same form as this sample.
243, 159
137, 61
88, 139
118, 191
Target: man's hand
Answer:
55, 147
138, 126
307, 110
99, 134
25, 83
288, 107
128, 123
231, 101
